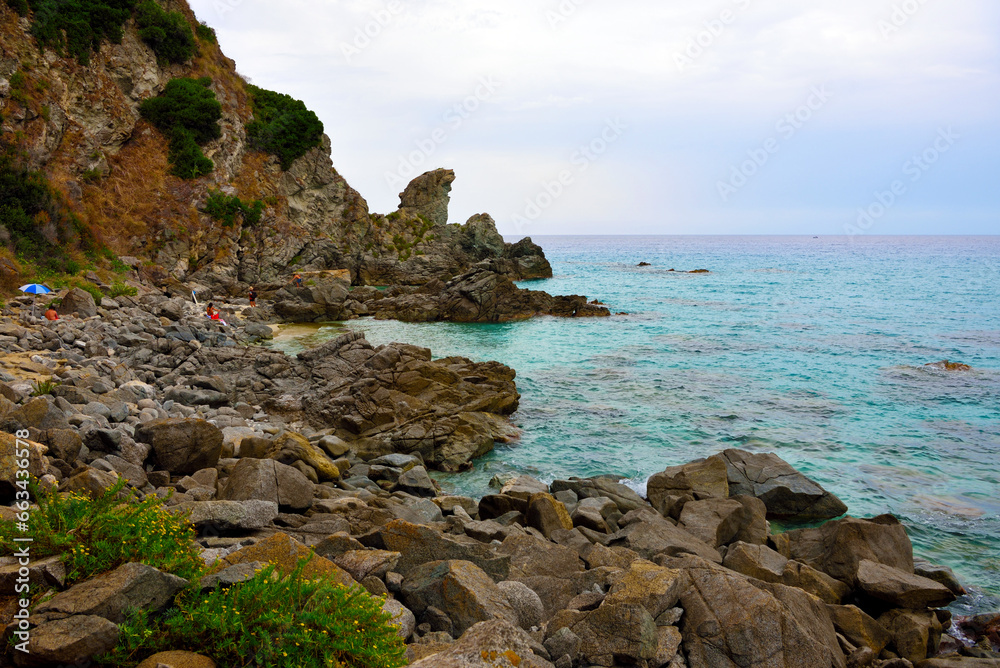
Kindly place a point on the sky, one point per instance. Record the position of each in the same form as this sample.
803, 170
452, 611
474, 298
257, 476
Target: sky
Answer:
650, 116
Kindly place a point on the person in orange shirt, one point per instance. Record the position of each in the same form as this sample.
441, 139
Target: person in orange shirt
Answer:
51, 314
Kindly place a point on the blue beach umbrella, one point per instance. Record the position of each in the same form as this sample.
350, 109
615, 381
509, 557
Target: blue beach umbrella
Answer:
34, 289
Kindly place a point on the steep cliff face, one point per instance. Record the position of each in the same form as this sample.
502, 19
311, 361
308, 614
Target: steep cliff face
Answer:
81, 126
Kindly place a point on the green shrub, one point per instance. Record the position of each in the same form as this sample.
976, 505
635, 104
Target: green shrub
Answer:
282, 126
225, 209
269, 621
98, 535
27, 204
168, 33
78, 26
18, 91
91, 175
121, 289
188, 113
206, 33
19, 6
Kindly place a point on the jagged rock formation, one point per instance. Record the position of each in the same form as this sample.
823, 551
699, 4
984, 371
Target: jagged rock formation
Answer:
427, 196
81, 125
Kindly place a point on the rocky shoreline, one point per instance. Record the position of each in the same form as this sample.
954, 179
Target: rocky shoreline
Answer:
327, 453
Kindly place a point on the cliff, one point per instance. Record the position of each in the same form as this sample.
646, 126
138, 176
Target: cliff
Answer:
79, 122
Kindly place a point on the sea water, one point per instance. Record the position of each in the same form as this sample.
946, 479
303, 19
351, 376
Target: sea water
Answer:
812, 348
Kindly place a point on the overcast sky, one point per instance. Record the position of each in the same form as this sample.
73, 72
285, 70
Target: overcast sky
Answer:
650, 116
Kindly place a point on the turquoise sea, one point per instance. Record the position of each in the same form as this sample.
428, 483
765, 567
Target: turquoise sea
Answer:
813, 348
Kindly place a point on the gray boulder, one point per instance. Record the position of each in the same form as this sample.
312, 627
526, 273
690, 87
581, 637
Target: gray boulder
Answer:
787, 493
488, 644
182, 445
459, 588
129, 587
268, 480
78, 302
901, 589
69, 641
229, 515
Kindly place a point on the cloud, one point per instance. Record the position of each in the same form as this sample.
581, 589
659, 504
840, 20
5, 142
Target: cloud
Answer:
700, 84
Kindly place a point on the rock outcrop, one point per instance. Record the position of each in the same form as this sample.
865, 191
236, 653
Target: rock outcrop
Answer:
427, 196
483, 294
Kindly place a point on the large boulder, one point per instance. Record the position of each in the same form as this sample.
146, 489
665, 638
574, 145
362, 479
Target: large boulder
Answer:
246, 515
367, 563
490, 644
525, 602
617, 629
859, 628
714, 521
763, 563
10, 448
285, 553
901, 589
418, 544
837, 548
78, 302
182, 445
730, 621
701, 479
655, 588
787, 493
547, 514
649, 535
291, 447
459, 588
268, 480
129, 587
38, 413
625, 498
69, 641
916, 634
530, 556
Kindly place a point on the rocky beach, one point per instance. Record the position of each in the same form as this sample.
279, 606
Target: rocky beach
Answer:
145, 179
327, 454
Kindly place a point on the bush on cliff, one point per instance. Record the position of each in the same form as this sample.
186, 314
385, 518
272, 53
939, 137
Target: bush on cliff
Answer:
188, 113
269, 621
168, 33
35, 222
76, 27
282, 126
226, 208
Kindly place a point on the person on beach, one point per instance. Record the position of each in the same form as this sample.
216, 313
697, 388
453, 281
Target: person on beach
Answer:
51, 313
253, 296
211, 311
297, 280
